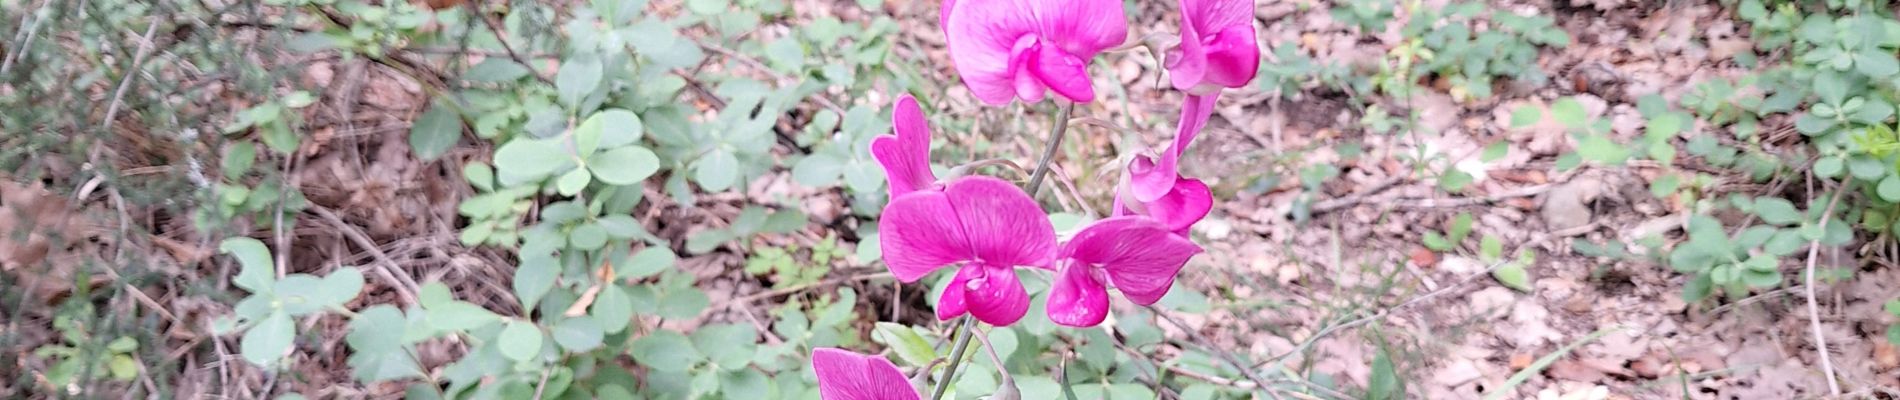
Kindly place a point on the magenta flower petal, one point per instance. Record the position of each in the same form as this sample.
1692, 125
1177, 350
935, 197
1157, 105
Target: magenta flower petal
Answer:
993, 294
919, 234
1217, 46
1187, 203
1140, 255
844, 375
952, 302
943, 14
1003, 48
906, 155
1150, 178
1078, 299
1004, 226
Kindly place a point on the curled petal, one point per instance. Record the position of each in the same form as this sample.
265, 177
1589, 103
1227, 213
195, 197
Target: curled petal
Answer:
919, 233
844, 375
1140, 255
906, 155
1003, 225
1077, 299
1064, 73
953, 302
983, 36
1187, 63
1187, 203
1083, 28
1150, 178
1232, 59
993, 294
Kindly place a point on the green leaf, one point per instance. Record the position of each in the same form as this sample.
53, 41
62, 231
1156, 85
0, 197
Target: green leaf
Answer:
460, 316
578, 77
666, 351
1875, 63
1889, 188
910, 347
532, 159
578, 334
1697, 289
648, 262
625, 165
613, 309
1775, 210
1495, 151
495, 70
519, 340
731, 346
708, 7
1436, 242
268, 340
612, 127
1665, 185
572, 182
717, 171
1832, 87
1525, 116
587, 236
818, 170
237, 159
479, 175
435, 132
1454, 180
744, 384
1761, 279
1459, 229
786, 55
1513, 275
255, 270
1829, 167
1491, 248
1666, 125
1384, 383
1866, 167
534, 278
434, 295
377, 329
683, 303
1569, 112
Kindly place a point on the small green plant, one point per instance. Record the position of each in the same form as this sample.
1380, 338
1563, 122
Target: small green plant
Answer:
81, 353
792, 266
1893, 330
266, 315
1751, 258
1447, 45
1455, 233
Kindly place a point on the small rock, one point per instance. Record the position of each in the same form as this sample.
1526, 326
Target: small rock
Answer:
1521, 360
1457, 373
1491, 299
1460, 265
1423, 257
1885, 356
1568, 205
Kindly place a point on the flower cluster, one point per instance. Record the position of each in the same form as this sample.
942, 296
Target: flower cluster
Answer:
987, 228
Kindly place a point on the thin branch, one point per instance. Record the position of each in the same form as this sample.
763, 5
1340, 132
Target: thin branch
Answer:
1224, 356
1814, 313
404, 286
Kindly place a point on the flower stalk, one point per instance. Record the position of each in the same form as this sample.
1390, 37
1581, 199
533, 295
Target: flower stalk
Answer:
966, 329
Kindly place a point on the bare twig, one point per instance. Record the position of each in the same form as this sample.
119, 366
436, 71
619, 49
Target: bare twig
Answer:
1586, 228
1245, 370
131, 72
1814, 313
495, 27
405, 286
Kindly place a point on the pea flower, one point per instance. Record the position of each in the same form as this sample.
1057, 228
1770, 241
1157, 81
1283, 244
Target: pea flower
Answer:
1138, 254
1187, 201
1149, 178
1217, 47
1008, 49
905, 155
985, 224
844, 375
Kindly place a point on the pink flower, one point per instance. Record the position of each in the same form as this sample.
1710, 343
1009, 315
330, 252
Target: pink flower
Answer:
987, 225
906, 155
1217, 46
1149, 178
1185, 203
844, 375
1138, 254
1007, 49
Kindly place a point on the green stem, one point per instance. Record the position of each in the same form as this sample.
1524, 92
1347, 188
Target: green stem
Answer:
964, 329
956, 356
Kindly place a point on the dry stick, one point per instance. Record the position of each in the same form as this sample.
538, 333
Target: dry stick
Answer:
495, 27
1224, 356
1814, 314
405, 287
1428, 296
